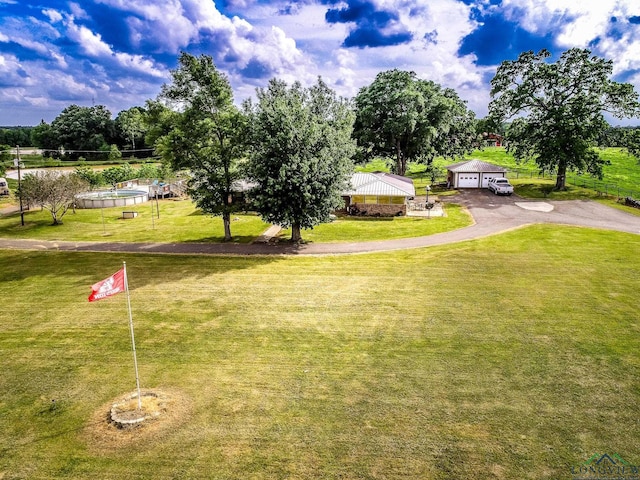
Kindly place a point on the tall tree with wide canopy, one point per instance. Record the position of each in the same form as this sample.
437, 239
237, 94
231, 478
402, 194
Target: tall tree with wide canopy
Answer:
131, 126
301, 153
630, 141
559, 108
159, 120
44, 137
404, 118
83, 131
206, 137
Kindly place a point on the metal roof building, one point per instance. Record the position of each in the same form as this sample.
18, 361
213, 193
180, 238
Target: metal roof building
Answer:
473, 173
380, 184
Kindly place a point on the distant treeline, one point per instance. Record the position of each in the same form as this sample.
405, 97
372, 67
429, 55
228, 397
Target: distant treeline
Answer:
85, 133
90, 133
15, 136
616, 136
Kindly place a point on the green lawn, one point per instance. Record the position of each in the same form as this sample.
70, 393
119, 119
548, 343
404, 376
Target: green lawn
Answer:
358, 229
180, 221
514, 356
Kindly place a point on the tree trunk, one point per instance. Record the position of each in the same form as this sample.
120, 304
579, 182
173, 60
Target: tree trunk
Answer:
561, 178
54, 215
401, 164
296, 236
226, 219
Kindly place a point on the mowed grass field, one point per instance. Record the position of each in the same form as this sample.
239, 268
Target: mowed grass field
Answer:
181, 221
516, 356
163, 221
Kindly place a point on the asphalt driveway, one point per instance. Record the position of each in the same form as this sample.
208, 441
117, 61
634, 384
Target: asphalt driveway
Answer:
491, 214
491, 210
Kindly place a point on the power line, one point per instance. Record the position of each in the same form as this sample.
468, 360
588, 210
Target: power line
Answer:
64, 150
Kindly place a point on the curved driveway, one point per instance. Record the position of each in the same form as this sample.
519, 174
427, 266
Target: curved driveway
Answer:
491, 215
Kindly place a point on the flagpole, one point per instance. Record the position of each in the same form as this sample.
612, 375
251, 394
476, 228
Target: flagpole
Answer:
133, 341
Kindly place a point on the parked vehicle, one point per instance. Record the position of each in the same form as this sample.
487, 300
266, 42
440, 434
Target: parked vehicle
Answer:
4, 187
500, 186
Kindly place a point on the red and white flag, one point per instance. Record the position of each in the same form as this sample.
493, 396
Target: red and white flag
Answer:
107, 287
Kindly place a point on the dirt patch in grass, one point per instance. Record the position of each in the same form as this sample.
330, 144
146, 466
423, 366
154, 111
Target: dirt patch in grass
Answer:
166, 410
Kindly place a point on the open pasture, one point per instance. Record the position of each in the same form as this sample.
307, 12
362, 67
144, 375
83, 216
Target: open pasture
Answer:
513, 356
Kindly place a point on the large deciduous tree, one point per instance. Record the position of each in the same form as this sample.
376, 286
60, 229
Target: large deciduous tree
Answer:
130, 124
558, 108
403, 118
82, 131
159, 121
301, 153
53, 191
206, 137
630, 141
44, 137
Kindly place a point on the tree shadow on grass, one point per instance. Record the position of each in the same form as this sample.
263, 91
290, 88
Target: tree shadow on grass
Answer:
149, 264
366, 218
235, 239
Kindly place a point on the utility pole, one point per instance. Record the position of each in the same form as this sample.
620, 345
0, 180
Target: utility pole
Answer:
17, 164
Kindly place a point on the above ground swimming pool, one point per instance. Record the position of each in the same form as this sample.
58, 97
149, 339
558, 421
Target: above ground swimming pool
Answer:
111, 198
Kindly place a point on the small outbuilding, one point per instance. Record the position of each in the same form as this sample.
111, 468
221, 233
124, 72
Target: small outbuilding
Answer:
493, 139
473, 174
378, 193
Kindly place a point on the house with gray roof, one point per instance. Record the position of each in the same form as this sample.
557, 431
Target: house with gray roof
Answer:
473, 174
378, 193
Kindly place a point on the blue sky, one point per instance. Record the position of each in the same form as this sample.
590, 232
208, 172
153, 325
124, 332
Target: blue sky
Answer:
54, 53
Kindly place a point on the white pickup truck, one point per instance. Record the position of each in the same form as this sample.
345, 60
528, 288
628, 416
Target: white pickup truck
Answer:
500, 186
4, 187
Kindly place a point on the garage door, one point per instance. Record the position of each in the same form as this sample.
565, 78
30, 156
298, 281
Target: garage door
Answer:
488, 176
468, 180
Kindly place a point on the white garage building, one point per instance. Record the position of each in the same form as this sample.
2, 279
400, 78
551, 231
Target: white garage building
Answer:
473, 174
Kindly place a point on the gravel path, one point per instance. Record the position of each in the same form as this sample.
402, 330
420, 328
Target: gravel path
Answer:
491, 215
